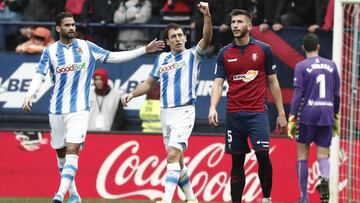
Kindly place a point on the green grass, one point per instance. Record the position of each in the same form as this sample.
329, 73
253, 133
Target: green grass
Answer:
46, 200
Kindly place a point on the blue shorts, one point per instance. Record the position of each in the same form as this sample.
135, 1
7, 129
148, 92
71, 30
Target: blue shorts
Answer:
320, 135
240, 126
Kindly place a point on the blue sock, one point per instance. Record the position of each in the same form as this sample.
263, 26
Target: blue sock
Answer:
302, 169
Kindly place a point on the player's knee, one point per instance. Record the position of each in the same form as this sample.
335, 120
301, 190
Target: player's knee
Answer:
173, 155
72, 148
263, 158
238, 163
322, 152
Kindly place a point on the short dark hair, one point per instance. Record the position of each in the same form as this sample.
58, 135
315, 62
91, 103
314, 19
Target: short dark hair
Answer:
170, 26
310, 42
60, 16
236, 12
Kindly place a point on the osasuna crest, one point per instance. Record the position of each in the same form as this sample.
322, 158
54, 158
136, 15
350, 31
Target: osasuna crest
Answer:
254, 56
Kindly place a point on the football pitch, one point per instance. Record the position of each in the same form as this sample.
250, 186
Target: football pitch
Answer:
46, 200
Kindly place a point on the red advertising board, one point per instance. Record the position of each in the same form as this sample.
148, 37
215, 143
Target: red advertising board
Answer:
113, 166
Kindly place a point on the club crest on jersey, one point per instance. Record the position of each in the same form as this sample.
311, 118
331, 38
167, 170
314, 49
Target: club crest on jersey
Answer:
247, 77
79, 50
254, 56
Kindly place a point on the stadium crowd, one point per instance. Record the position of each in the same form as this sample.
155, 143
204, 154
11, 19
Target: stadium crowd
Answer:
267, 14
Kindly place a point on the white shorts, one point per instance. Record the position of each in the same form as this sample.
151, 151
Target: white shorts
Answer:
68, 128
177, 124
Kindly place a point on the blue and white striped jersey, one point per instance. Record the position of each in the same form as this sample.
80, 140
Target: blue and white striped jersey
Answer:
71, 68
178, 76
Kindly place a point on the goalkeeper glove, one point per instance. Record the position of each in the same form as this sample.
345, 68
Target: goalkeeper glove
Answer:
336, 126
292, 127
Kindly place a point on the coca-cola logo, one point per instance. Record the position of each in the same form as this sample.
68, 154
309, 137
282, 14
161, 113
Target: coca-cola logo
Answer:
124, 174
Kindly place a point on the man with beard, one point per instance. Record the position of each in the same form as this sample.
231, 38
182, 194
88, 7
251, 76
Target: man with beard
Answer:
247, 64
71, 63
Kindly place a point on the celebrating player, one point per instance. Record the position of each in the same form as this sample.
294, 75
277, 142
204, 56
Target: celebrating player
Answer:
178, 72
71, 63
247, 64
314, 108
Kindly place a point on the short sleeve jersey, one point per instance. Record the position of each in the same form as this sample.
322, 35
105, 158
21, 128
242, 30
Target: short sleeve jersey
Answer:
178, 75
245, 68
71, 68
319, 81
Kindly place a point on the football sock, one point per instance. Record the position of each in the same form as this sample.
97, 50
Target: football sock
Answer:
324, 167
265, 172
302, 169
237, 182
72, 189
68, 173
184, 184
171, 181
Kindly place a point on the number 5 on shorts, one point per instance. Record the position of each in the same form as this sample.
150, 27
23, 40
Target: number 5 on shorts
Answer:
229, 136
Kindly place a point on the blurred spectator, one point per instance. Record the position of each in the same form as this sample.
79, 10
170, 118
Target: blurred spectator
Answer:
132, 12
101, 11
41, 10
308, 13
177, 11
329, 16
219, 10
156, 15
260, 10
75, 7
18, 36
150, 111
8, 12
106, 110
40, 39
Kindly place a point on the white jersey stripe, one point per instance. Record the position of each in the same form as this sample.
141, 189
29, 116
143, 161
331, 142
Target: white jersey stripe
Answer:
75, 84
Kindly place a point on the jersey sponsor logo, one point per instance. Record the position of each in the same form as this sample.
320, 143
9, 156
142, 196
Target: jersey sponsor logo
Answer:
254, 56
232, 60
247, 77
70, 68
171, 66
319, 103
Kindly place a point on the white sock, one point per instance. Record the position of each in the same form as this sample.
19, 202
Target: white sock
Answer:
171, 181
68, 173
184, 184
72, 189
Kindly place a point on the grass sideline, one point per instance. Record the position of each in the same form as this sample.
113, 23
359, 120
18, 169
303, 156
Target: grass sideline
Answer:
47, 200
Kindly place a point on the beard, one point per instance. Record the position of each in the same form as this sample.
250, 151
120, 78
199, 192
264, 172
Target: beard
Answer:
68, 36
242, 34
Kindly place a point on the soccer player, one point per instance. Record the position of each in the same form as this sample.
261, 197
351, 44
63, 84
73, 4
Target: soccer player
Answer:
71, 63
247, 65
178, 72
314, 108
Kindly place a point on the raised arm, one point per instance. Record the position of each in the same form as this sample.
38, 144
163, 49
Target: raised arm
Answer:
216, 92
207, 29
276, 94
122, 56
141, 89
